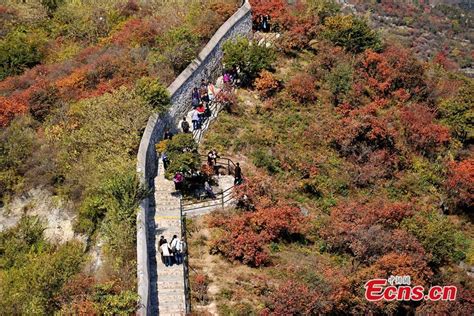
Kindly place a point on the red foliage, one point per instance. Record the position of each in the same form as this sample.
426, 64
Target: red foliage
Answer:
278, 11
352, 228
463, 305
266, 84
255, 192
244, 236
443, 60
293, 298
421, 132
302, 87
460, 183
393, 69
399, 264
9, 108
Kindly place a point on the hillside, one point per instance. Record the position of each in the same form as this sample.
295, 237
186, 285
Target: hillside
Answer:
78, 81
352, 121
358, 164
441, 30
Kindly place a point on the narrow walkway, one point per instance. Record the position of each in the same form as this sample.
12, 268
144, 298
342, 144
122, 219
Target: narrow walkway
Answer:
170, 280
170, 283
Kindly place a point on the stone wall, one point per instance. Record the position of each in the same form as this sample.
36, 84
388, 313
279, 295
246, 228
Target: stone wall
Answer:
208, 65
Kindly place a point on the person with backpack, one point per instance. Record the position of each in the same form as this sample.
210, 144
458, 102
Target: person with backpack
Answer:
185, 125
173, 246
166, 252
181, 251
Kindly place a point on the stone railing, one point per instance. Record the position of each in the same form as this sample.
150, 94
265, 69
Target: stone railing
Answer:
208, 66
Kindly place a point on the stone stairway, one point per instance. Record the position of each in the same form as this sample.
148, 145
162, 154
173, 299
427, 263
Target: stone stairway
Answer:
170, 280
170, 284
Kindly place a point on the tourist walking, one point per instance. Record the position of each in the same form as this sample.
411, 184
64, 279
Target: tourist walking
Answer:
195, 97
237, 175
178, 181
210, 158
201, 113
181, 249
161, 242
173, 246
166, 161
165, 251
195, 120
185, 126
211, 92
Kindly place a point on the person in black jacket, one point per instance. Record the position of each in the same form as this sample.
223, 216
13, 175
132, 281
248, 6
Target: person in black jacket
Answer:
237, 175
185, 125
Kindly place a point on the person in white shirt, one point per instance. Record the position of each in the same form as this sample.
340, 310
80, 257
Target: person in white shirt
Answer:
181, 249
174, 246
165, 251
195, 119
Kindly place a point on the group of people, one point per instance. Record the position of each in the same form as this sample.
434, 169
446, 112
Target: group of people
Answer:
200, 98
262, 23
172, 252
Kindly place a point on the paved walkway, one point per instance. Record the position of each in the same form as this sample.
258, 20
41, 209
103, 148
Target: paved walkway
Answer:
170, 280
170, 283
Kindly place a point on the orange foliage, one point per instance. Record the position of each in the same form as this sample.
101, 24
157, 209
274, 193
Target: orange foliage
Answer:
460, 183
352, 226
266, 84
393, 69
422, 133
244, 236
302, 87
9, 108
293, 298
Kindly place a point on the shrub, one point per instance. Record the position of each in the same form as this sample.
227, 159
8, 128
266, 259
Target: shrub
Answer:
340, 81
249, 57
20, 50
154, 93
179, 46
32, 270
17, 143
199, 288
9, 109
302, 87
421, 131
458, 114
183, 155
438, 236
266, 84
460, 184
278, 10
245, 236
264, 159
351, 33
42, 101
323, 8
293, 298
